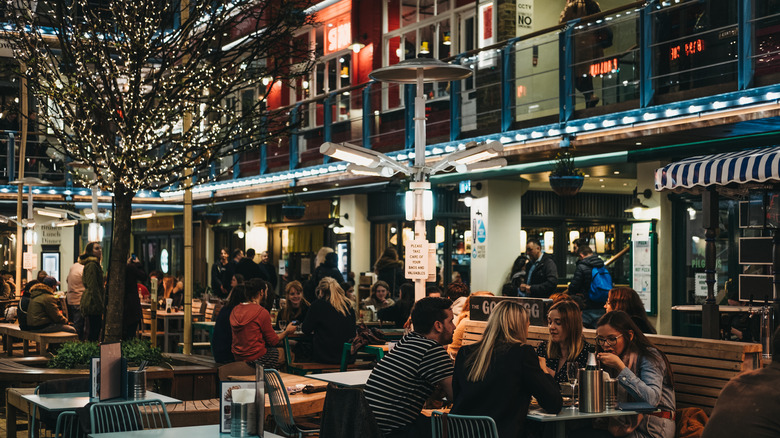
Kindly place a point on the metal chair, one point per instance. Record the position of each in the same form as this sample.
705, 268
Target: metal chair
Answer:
280, 405
128, 416
42, 419
463, 426
68, 426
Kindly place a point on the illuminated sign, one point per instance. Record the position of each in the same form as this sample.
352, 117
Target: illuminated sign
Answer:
339, 36
687, 49
604, 67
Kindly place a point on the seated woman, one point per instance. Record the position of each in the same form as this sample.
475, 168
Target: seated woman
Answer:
643, 373
380, 297
222, 338
253, 335
400, 311
331, 319
43, 314
296, 306
566, 344
627, 300
460, 324
503, 363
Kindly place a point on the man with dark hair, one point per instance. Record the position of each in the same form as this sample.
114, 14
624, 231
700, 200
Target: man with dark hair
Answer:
579, 288
542, 272
402, 381
248, 268
748, 405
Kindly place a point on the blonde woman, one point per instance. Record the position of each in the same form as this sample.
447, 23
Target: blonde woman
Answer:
460, 324
566, 344
503, 363
331, 319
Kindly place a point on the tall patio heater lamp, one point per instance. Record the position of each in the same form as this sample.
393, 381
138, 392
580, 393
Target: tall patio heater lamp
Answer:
418, 71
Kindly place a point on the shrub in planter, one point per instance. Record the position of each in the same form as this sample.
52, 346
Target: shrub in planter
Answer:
565, 178
79, 354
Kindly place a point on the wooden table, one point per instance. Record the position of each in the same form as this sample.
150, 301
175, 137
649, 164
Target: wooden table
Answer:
347, 378
166, 317
210, 431
568, 414
301, 404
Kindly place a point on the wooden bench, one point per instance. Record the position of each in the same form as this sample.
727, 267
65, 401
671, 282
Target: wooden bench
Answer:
701, 367
42, 340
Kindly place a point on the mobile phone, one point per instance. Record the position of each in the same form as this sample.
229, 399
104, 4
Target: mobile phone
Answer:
133, 256
296, 322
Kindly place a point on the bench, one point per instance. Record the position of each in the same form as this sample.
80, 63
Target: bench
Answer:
701, 367
42, 340
303, 368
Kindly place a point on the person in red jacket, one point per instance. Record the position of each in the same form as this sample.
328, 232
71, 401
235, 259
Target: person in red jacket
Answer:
254, 337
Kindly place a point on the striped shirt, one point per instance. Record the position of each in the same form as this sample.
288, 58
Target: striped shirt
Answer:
403, 380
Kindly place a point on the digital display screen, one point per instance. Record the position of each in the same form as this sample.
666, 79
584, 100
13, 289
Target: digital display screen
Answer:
755, 250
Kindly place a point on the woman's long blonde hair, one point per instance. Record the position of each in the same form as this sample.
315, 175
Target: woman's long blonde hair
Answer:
334, 294
571, 319
508, 324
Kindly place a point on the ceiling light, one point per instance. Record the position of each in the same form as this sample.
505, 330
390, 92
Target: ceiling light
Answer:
482, 165
381, 171
52, 212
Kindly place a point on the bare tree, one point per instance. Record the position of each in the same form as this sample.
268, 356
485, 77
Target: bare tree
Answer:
143, 92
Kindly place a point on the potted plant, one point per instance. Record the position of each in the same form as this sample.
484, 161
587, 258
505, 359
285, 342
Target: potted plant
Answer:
565, 178
212, 214
293, 208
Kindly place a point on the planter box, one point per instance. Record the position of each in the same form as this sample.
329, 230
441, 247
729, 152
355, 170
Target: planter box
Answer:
293, 211
212, 218
566, 185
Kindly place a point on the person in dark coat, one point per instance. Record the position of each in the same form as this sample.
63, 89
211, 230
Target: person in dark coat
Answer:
248, 268
331, 319
542, 273
329, 268
390, 270
220, 284
132, 312
579, 288
268, 270
400, 310
503, 363
43, 313
222, 339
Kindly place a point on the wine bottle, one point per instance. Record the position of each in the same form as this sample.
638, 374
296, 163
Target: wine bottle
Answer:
592, 362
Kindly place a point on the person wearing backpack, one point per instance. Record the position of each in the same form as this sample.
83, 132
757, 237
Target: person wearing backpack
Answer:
590, 285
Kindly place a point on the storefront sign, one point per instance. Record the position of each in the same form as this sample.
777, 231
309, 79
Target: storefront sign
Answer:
481, 306
416, 259
338, 36
50, 235
687, 49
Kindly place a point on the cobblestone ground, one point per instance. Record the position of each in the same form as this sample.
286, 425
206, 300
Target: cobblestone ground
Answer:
20, 425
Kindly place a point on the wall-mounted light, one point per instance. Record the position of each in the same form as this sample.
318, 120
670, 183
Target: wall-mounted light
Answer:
691, 213
573, 236
95, 232
637, 207
239, 232
549, 242
523, 240
439, 233
266, 80
424, 48
345, 72
356, 46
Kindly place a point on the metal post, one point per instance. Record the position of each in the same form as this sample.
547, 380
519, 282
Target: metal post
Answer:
295, 117
506, 85
409, 125
419, 177
455, 109
367, 115
710, 317
566, 80
745, 45
646, 90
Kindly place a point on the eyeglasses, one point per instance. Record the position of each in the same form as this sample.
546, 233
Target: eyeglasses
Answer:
610, 341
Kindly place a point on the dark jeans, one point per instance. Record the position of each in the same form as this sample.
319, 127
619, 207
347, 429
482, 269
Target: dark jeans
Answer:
77, 319
94, 325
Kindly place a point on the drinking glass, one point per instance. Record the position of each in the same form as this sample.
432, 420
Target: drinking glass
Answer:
572, 371
282, 324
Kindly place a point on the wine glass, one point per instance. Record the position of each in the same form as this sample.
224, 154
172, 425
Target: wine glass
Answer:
282, 324
572, 372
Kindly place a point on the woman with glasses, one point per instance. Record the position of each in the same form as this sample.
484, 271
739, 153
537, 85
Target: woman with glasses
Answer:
643, 373
498, 375
627, 300
566, 344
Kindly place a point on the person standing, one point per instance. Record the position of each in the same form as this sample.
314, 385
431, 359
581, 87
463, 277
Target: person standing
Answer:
131, 317
580, 286
586, 47
390, 270
248, 268
93, 299
401, 382
73, 296
219, 270
268, 270
331, 320
542, 274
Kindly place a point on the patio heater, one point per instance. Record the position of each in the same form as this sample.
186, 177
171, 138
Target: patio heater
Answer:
419, 201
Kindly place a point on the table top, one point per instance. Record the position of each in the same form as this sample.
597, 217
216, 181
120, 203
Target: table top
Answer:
179, 314
567, 414
345, 378
204, 323
210, 431
721, 309
74, 400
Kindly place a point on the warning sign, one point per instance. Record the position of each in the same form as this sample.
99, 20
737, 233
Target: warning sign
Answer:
416, 258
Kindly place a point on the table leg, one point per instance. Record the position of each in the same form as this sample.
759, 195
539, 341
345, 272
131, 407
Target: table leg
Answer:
10, 416
167, 335
559, 429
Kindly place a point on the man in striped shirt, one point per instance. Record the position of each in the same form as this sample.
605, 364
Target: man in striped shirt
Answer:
404, 379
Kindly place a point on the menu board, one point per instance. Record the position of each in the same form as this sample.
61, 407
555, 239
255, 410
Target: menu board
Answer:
642, 253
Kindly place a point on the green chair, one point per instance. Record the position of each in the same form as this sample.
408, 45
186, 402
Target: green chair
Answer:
463, 426
68, 426
128, 416
280, 406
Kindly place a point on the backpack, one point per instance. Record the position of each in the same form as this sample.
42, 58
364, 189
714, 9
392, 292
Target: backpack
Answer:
600, 284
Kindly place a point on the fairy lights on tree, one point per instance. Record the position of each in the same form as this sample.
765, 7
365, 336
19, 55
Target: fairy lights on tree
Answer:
115, 79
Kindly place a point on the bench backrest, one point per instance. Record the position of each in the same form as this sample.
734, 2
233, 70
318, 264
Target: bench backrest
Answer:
701, 367
210, 316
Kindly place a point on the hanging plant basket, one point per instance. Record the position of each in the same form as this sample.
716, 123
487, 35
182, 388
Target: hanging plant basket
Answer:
293, 212
212, 218
566, 185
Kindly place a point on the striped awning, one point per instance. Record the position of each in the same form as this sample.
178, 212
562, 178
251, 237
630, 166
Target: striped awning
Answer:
747, 166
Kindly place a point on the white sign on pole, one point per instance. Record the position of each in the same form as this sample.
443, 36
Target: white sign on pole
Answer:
642, 274
431, 263
416, 258
29, 261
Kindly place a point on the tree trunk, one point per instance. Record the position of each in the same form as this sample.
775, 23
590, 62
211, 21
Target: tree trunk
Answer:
120, 251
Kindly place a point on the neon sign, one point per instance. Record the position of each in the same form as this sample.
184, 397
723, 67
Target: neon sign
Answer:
604, 67
339, 37
687, 49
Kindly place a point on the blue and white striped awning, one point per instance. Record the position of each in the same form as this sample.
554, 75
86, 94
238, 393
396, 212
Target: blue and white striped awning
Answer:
747, 166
